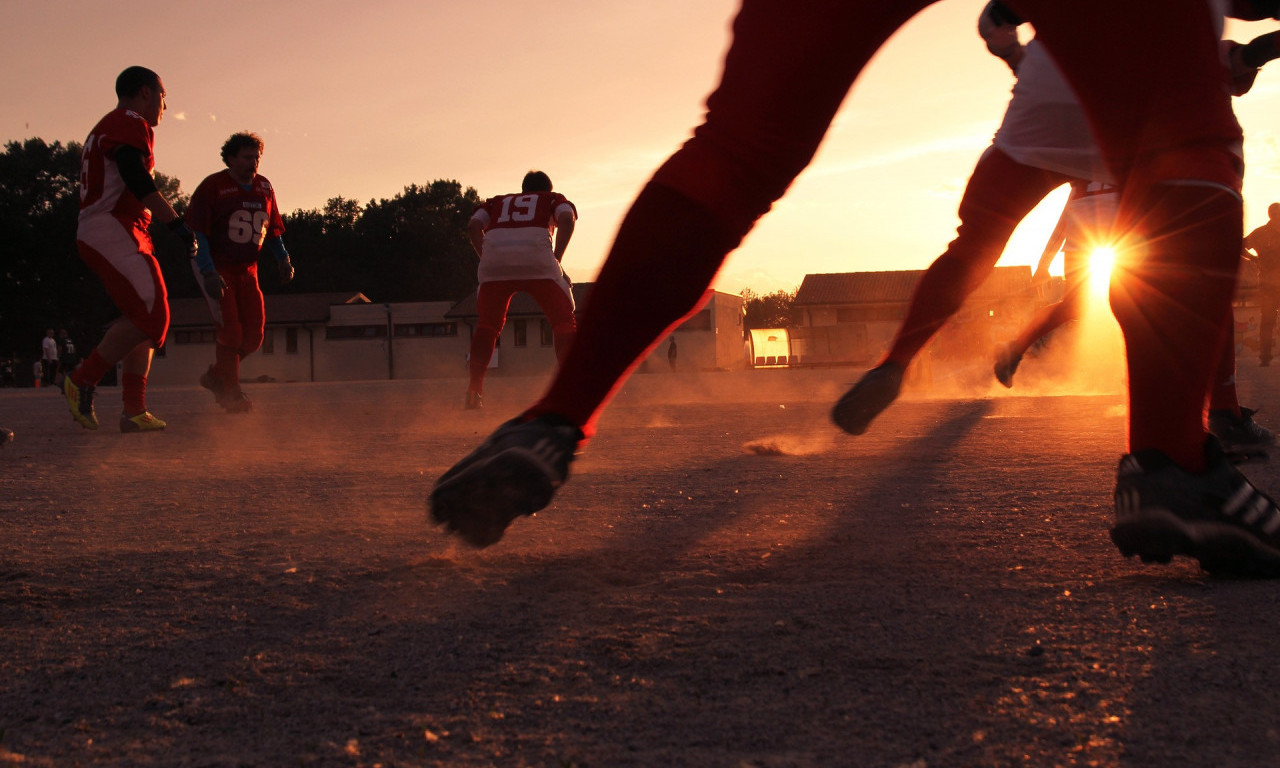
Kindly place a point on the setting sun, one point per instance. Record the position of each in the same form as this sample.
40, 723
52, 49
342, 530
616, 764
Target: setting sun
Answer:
1100, 262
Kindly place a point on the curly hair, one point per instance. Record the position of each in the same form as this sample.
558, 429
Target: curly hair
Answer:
239, 141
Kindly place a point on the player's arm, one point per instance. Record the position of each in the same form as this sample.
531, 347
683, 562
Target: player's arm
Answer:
197, 218
276, 246
1244, 61
998, 27
139, 182
565, 221
275, 242
475, 232
1254, 10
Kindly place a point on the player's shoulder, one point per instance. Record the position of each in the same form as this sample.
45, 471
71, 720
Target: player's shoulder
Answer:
262, 183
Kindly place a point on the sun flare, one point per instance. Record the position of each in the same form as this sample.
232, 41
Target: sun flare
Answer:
1101, 260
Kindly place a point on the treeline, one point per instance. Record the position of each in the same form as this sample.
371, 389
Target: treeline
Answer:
411, 247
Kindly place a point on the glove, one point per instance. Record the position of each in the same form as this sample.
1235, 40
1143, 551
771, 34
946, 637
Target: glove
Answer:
286, 270
213, 284
1242, 74
186, 235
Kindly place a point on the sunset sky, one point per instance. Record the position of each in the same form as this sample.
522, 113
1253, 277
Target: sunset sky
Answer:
360, 100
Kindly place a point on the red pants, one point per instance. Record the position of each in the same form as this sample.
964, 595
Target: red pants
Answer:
999, 194
243, 321
125, 262
1149, 78
492, 300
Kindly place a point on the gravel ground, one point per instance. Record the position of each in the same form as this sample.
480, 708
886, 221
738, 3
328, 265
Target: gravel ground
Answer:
725, 581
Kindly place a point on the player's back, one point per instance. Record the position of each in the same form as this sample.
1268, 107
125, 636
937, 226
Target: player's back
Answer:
519, 228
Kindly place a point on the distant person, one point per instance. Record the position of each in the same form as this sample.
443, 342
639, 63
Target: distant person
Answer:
1262, 246
672, 353
1149, 77
118, 197
521, 239
234, 213
67, 358
48, 358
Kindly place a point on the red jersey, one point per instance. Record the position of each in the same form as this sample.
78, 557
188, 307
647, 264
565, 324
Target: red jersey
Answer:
236, 219
102, 190
518, 235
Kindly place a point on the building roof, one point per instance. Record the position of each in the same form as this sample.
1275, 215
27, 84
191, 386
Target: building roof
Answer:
895, 287
522, 304
281, 308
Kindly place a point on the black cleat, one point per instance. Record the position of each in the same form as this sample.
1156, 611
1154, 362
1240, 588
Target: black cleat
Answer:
1006, 365
874, 392
514, 472
1216, 517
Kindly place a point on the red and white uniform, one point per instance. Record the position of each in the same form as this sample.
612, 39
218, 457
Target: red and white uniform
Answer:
519, 231
236, 220
112, 232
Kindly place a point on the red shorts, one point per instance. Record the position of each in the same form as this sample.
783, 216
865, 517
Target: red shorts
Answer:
125, 262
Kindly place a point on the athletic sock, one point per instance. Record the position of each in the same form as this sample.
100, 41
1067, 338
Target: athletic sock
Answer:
227, 367
1173, 306
90, 371
133, 391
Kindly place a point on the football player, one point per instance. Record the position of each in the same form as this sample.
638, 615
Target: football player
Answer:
234, 215
1173, 144
118, 197
520, 239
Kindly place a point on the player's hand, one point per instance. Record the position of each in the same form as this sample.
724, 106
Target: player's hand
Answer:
1242, 74
286, 270
186, 235
213, 284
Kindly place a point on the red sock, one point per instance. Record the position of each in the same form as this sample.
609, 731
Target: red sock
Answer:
1223, 395
133, 390
90, 371
227, 367
1173, 307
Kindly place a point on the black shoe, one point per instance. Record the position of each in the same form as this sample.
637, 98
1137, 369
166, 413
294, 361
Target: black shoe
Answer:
236, 402
514, 472
6, 436
210, 381
1240, 434
1006, 365
475, 400
864, 401
1216, 517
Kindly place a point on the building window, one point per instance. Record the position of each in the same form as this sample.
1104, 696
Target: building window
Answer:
339, 332
269, 341
291, 340
544, 332
426, 329
519, 333
195, 337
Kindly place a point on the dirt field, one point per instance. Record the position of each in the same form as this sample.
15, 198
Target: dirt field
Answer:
726, 581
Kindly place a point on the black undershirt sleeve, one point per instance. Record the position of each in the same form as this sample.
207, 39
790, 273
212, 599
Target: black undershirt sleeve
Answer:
134, 173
